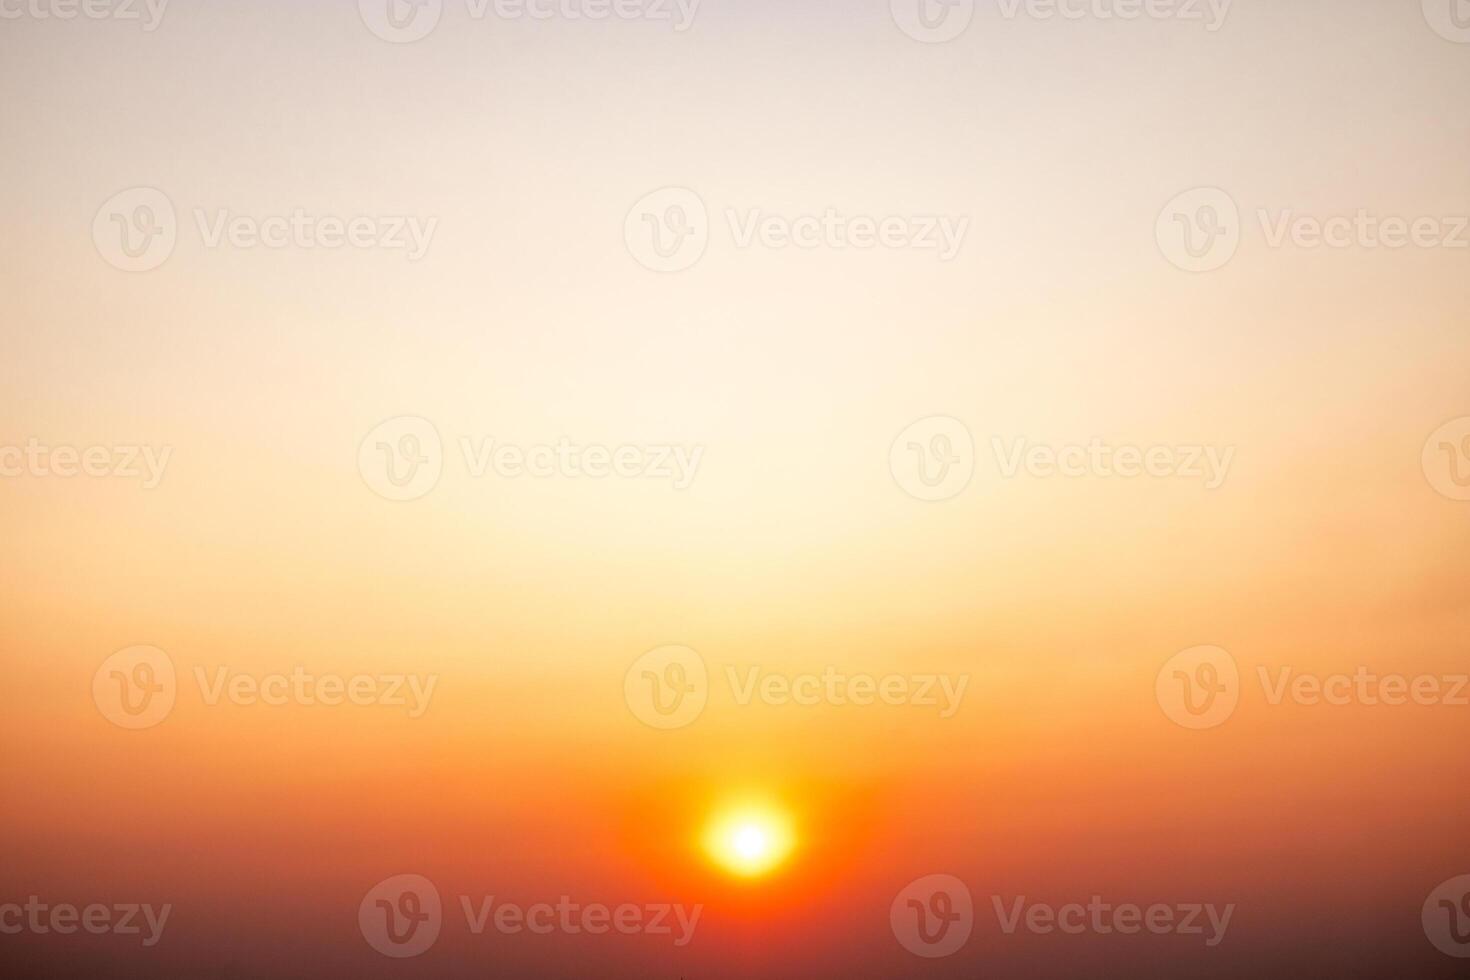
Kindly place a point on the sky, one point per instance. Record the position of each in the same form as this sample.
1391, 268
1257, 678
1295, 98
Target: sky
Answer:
519, 449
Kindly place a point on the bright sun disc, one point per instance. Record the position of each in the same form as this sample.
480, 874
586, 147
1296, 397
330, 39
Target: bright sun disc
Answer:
749, 842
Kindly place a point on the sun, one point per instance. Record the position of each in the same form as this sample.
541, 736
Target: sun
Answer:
750, 841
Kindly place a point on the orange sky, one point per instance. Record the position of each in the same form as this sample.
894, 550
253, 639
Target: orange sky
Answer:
795, 550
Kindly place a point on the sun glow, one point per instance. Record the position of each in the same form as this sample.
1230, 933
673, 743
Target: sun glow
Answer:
750, 841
